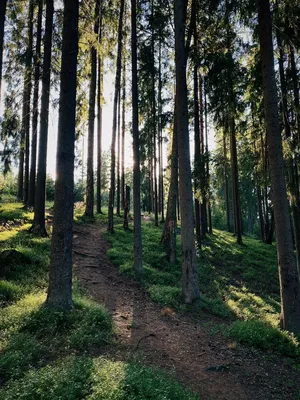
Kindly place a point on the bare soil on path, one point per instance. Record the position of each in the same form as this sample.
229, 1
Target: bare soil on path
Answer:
207, 364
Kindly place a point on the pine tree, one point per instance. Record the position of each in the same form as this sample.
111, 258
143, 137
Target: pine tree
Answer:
89, 207
35, 105
60, 279
189, 267
114, 128
38, 226
138, 260
2, 22
23, 178
288, 275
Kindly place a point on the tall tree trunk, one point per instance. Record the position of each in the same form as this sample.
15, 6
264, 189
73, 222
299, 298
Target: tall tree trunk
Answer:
170, 227
99, 133
25, 130
288, 275
197, 150
293, 180
284, 94
2, 22
119, 156
60, 279
160, 140
209, 217
123, 193
235, 184
89, 207
138, 261
226, 189
295, 90
189, 266
154, 123
38, 226
203, 215
35, 106
197, 155
99, 115
110, 227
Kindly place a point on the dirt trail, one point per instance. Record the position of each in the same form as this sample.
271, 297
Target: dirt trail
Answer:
209, 365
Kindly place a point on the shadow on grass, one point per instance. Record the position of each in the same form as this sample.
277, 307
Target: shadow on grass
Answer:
21, 278
33, 333
95, 378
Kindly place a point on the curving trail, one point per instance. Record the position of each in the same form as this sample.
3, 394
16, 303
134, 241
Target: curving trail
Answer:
209, 365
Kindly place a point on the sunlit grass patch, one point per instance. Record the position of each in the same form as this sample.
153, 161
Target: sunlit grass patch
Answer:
262, 335
91, 379
246, 305
31, 331
14, 212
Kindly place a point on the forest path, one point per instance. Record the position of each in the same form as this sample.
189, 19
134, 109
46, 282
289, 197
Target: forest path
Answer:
209, 365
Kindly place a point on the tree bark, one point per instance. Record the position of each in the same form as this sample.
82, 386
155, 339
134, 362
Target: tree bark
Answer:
110, 227
123, 194
226, 189
190, 283
203, 215
160, 140
119, 156
99, 133
2, 23
35, 106
170, 227
89, 207
99, 115
38, 226
288, 276
197, 155
60, 279
209, 217
295, 91
138, 261
23, 179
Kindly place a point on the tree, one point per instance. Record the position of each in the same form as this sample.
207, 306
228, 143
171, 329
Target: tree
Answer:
2, 22
189, 267
38, 226
23, 179
35, 105
114, 128
99, 116
288, 275
60, 278
138, 260
169, 231
89, 207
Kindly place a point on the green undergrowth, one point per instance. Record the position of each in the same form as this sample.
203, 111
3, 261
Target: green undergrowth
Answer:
237, 283
95, 379
47, 354
161, 278
14, 212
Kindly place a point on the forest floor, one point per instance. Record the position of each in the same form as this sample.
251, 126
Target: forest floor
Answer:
132, 338
204, 360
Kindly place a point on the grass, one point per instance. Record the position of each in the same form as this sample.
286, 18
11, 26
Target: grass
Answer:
95, 378
46, 354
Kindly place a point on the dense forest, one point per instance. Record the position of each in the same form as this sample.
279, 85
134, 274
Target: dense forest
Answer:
176, 131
